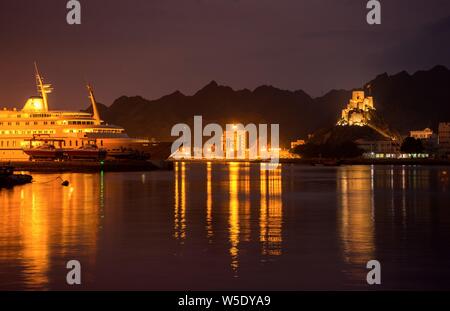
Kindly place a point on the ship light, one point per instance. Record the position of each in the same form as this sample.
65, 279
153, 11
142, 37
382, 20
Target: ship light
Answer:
34, 104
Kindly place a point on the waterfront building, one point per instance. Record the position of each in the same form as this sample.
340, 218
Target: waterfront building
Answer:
298, 142
383, 148
421, 134
428, 138
235, 145
444, 138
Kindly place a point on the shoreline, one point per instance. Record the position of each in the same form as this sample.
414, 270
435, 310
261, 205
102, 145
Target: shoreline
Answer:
161, 165
89, 166
430, 162
323, 161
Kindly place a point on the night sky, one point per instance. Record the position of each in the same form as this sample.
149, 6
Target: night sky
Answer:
152, 48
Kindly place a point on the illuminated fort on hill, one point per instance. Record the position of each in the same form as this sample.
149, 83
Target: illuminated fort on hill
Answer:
361, 112
358, 111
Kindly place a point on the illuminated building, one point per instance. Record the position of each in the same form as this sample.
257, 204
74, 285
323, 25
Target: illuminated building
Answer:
428, 138
379, 148
298, 142
423, 134
444, 138
360, 123
358, 110
36, 125
235, 144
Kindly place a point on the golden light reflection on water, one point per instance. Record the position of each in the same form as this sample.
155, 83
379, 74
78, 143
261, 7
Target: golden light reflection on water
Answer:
209, 227
180, 201
235, 179
244, 189
233, 219
271, 210
43, 219
355, 192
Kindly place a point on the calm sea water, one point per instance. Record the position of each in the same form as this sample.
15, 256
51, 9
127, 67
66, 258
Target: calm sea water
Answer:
230, 226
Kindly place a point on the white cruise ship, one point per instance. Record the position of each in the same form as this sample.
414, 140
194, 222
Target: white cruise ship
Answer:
36, 126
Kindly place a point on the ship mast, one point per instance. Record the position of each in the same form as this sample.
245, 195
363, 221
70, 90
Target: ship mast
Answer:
96, 114
42, 88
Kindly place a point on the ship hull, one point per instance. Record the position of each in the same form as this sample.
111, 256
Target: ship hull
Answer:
44, 154
78, 154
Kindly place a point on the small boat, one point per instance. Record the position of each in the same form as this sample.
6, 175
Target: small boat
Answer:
44, 152
85, 152
9, 179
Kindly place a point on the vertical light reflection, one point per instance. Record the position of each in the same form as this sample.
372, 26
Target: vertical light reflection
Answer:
177, 201
42, 224
263, 222
180, 201
233, 217
372, 188
102, 195
356, 217
209, 228
35, 247
244, 191
392, 189
80, 212
271, 210
403, 197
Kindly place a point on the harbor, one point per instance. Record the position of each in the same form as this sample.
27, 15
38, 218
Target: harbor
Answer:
233, 225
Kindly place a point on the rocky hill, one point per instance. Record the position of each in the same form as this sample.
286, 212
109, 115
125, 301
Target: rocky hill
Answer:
405, 101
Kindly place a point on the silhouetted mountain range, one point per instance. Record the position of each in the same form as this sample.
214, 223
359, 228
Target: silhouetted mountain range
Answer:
405, 101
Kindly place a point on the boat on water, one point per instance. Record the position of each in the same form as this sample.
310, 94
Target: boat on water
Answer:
44, 152
9, 179
85, 152
48, 152
33, 128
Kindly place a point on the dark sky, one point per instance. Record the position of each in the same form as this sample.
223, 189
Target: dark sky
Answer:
154, 47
